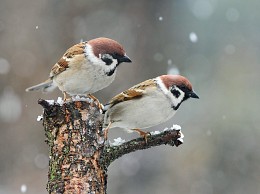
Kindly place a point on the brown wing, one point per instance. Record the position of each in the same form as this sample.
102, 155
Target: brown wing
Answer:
63, 63
133, 93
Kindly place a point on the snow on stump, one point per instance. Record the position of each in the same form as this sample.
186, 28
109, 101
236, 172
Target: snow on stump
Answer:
79, 155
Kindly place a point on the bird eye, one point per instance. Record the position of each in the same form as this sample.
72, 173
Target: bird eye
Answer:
108, 59
175, 92
184, 88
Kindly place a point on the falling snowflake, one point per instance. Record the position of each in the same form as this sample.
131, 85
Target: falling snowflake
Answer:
193, 37
23, 188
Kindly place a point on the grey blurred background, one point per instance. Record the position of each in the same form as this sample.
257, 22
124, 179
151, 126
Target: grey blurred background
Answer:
215, 43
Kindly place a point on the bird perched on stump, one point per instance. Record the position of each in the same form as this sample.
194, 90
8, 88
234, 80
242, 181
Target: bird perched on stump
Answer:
147, 104
85, 68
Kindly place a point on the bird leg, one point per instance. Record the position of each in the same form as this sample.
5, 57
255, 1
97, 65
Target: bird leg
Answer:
106, 131
66, 97
142, 134
100, 106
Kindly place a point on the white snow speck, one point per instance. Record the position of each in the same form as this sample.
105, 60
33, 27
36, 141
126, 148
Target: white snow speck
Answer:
60, 101
166, 129
50, 102
118, 141
181, 138
173, 127
23, 188
4, 66
160, 18
155, 132
39, 118
193, 37
10, 105
82, 98
176, 127
36, 27
182, 135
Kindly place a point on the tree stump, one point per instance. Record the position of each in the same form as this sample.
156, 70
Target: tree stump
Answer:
79, 155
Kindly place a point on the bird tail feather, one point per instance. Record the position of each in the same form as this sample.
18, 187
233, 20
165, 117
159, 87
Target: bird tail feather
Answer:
46, 86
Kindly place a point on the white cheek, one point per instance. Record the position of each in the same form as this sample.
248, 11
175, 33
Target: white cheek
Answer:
177, 101
98, 61
111, 66
174, 101
92, 58
162, 86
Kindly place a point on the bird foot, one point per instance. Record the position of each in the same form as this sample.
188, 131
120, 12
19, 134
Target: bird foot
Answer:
66, 97
100, 106
143, 134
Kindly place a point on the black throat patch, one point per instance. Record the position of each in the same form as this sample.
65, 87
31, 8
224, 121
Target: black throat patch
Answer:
176, 107
111, 72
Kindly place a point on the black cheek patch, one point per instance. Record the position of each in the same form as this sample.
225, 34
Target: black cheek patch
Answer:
107, 60
176, 107
111, 72
175, 93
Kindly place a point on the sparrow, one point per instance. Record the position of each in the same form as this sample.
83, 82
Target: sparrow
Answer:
85, 68
147, 104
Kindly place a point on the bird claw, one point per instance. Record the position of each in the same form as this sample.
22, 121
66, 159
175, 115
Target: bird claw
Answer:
100, 106
66, 97
143, 134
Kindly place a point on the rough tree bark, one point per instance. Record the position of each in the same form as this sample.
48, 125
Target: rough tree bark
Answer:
79, 156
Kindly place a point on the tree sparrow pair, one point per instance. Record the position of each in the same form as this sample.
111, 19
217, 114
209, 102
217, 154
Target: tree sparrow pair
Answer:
90, 66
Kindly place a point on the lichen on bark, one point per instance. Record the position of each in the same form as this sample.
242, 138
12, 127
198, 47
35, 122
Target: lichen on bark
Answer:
75, 138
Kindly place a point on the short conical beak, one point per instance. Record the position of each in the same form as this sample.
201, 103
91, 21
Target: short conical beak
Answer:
193, 95
125, 58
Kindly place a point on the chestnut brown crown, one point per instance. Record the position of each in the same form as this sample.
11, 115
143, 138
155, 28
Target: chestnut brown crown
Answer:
103, 45
181, 82
177, 80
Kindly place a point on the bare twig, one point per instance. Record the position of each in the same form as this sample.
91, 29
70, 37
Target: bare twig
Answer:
169, 137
